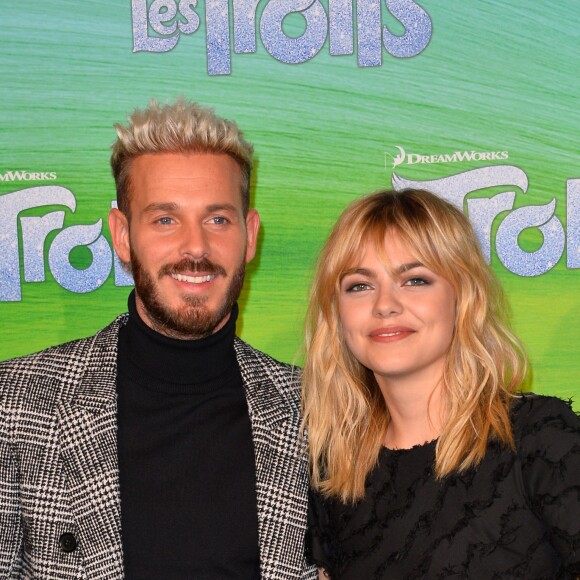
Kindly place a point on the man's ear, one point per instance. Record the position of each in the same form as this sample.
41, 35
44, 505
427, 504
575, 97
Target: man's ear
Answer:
252, 229
119, 227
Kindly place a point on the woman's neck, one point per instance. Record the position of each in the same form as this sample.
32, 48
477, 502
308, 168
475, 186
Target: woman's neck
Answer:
417, 413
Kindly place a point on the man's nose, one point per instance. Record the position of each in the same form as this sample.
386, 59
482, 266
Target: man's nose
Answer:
193, 241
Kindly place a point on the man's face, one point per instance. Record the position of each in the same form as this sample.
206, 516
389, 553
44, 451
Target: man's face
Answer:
187, 240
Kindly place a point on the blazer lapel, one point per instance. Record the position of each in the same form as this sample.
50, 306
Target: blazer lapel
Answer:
87, 424
281, 480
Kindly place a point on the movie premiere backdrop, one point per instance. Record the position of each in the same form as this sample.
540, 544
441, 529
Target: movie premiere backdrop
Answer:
474, 99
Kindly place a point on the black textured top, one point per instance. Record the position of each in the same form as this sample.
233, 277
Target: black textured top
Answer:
186, 457
517, 515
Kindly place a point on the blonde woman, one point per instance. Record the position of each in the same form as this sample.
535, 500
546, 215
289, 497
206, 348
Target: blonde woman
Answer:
426, 461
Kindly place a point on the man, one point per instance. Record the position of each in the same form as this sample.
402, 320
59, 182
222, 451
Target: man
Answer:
162, 447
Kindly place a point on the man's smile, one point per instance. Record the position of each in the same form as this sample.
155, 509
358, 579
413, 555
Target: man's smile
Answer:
193, 279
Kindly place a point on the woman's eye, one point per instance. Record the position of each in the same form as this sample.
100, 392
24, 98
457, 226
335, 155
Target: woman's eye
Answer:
358, 287
416, 282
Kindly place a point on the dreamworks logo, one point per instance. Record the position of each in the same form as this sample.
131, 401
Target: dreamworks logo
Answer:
28, 176
455, 157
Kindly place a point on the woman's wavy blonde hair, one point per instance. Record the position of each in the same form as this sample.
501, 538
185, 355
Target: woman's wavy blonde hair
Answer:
344, 412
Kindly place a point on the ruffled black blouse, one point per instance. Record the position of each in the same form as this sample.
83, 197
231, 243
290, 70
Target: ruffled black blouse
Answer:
517, 515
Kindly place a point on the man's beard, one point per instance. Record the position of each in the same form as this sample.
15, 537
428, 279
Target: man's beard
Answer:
193, 320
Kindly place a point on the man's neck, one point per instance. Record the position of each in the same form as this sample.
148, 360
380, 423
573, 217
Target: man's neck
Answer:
176, 361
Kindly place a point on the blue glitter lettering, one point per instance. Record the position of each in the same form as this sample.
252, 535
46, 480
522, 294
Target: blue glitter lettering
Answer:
340, 27
370, 50
418, 29
217, 22
293, 50
142, 42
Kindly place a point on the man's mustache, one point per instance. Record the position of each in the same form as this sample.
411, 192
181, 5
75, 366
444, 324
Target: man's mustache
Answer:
187, 265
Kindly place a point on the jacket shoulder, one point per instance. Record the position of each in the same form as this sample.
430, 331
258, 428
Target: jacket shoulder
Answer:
36, 376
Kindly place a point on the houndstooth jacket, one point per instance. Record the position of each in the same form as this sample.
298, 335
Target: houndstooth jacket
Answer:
59, 482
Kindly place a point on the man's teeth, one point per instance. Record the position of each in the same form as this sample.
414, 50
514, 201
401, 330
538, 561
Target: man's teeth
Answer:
192, 279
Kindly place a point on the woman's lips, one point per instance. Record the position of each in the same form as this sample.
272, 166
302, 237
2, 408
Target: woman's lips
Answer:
391, 333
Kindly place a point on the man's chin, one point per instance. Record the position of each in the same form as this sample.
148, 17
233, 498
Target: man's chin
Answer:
188, 322
182, 314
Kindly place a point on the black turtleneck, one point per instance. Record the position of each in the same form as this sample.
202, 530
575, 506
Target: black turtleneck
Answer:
186, 458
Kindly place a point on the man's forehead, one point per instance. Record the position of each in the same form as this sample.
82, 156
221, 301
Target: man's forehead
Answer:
206, 177
179, 167
184, 162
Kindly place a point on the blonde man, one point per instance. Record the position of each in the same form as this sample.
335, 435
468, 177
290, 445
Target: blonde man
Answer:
163, 446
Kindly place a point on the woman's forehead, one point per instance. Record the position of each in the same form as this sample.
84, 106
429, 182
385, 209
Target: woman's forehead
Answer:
390, 246
395, 251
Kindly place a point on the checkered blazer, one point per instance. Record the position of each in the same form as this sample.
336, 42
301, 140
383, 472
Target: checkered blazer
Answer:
59, 472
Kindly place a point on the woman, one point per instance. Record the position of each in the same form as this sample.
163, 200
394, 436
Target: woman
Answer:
424, 461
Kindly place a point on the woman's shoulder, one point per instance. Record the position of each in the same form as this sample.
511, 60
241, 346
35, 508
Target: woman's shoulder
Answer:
547, 437
540, 420
530, 409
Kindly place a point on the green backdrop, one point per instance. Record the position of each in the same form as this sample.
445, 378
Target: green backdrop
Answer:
485, 100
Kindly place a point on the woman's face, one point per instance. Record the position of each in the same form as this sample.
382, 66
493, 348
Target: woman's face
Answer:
398, 324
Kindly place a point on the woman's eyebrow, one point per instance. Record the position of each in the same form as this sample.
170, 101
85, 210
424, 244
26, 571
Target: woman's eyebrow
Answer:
370, 273
359, 271
408, 266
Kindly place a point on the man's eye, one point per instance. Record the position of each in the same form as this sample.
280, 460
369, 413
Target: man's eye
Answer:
164, 221
219, 220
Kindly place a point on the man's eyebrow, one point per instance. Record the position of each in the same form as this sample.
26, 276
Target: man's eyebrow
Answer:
221, 207
153, 207
172, 206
